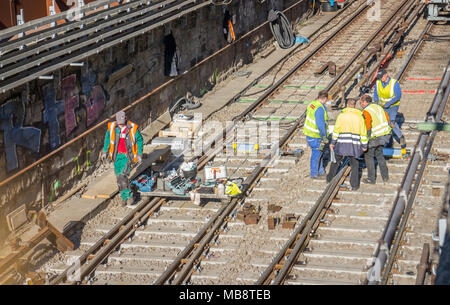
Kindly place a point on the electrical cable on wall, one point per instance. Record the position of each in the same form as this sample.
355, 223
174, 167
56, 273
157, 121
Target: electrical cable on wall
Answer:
281, 29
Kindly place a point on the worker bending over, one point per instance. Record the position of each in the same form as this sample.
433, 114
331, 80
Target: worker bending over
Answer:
316, 132
349, 140
123, 144
387, 93
378, 130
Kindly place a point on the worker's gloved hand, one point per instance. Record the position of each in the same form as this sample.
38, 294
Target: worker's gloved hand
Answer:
325, 140
391, 124
139, 158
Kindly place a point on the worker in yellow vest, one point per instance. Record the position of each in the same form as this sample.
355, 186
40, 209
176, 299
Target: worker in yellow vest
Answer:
316, 132
349, 140
123, 145
387, 93
378, 131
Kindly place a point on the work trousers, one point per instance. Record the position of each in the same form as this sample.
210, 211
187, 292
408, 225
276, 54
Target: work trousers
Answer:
369, 157
392, 113
122, 169
316, 161
354, 175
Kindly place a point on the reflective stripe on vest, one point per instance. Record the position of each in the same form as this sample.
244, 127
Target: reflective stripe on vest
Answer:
112, 136
310, 128
380, 124
387, 93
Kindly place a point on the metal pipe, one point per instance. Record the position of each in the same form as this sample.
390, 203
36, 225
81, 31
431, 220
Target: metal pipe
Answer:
126, 220
304, 229
272, 89
399, 205
401, 8
423, 265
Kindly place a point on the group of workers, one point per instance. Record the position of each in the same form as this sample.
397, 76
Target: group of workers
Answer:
356, 132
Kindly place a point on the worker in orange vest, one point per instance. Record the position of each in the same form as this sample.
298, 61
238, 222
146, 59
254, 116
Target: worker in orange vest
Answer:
123, 145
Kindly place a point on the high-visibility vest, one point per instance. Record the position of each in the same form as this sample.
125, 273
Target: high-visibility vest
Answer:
310, 128
387, 93
132, 129
350, 127
380, 124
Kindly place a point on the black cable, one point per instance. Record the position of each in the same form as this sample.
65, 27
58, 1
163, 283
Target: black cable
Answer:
281, 29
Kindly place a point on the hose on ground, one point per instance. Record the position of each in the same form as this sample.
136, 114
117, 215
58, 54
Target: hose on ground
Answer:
184, 103
281, 29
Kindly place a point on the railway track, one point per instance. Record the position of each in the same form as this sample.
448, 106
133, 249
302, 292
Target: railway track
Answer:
152, 242
340, 242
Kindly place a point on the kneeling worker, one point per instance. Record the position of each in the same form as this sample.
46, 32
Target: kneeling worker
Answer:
349, 140
123, 145
378, 129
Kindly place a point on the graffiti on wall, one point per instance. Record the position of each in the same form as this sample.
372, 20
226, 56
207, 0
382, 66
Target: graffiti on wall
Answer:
52, 109
12, 115
71, 102
95, 97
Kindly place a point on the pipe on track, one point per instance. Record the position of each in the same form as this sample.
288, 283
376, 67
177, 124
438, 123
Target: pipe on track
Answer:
382, 250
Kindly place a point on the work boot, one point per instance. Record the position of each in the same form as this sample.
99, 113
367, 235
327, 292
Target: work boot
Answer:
403, 142
368, 181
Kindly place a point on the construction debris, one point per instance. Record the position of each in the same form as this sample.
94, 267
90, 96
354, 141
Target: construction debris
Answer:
289, 221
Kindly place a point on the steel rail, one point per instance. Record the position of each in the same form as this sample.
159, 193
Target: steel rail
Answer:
102, 255
34, 24
293, 128
301, 243
207, 157
135, 27
68, 26
222, 215
188, 266
403, 8
408, 24
441, 101
114, 236
300, 238
423, 265
399, 204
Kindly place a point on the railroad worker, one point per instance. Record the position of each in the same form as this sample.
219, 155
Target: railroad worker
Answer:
349, 140
316, 132
123, 145
387, 93
378, 131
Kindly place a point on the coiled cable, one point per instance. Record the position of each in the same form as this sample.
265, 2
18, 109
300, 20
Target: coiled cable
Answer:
281, 29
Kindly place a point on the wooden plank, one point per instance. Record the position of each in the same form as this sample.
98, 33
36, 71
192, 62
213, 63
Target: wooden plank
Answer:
16, 218
152, 130
105, 185
11, 259
154, 156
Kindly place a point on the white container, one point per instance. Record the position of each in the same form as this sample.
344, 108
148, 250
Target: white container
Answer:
220, 189
215, 172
